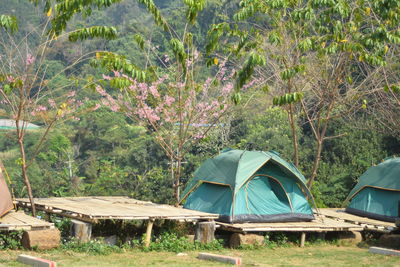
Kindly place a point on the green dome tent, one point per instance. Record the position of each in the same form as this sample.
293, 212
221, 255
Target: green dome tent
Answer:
249, 186
377, 193
6, 124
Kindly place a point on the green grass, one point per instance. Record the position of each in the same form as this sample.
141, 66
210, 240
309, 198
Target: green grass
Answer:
323, 255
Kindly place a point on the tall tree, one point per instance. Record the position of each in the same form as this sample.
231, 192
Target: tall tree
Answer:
325, 56
178, 103
26, 91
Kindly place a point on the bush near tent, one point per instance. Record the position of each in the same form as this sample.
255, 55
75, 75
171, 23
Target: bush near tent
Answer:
249, 186
377, 193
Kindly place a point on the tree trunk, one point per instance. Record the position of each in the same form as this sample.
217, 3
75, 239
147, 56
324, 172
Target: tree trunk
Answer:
177, 181
25, 175
294, 136
316, 162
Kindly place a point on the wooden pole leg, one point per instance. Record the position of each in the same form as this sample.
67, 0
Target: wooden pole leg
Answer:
47, 217
148, 232
82, 231
204, 232
302, 239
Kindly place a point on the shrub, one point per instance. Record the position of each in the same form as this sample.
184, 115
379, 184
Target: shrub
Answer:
11, 240
171, 242
64, 225
93, 247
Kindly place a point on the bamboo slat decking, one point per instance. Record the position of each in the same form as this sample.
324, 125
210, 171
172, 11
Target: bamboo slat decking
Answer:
93, 209
318, 225
339, 214
20, 221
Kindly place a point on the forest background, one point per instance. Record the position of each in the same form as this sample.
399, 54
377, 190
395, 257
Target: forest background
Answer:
103, 152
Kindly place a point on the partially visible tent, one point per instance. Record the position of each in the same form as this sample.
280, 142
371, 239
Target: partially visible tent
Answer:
6, 124
377, 193
249, 186
6, 203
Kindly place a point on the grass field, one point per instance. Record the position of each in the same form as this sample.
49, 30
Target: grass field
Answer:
325, 255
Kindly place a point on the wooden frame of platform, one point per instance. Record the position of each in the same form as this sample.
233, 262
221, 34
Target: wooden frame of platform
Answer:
93, 209
368, 224
319, 225
15, 221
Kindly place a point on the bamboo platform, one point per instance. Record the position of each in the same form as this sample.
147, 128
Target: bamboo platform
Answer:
93, 209
318, 225
20, 221
340, 215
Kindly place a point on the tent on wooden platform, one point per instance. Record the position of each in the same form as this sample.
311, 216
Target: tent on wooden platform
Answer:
377, 193
6, 124
249, 186
6, 203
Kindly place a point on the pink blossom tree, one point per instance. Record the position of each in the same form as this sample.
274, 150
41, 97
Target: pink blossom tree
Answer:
178, 113
176, 102
27, 92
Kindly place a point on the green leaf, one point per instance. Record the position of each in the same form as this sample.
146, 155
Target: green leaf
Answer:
179, 51
139, 40
115, 62
152, 8
246, 72
236, 98
8, 23
63, 11
105, 32
287, 99
194, 6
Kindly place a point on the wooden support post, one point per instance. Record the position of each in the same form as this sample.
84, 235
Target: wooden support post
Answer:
47, 217
148, 232
204, 232
302, 239
321, 235
81, 230
41, 239
397, 221
238, 239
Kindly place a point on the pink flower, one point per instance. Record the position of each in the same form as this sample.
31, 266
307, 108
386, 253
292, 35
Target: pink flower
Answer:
71, 94
114, 107
249, 84
52, 103
101, 91
40, 108
96, 107
207, 83
196, 54
166, 58
10, 79
198, 136
148, 113
221, 73
106, 77
168, 100
153, 91
227, 89
29, 59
